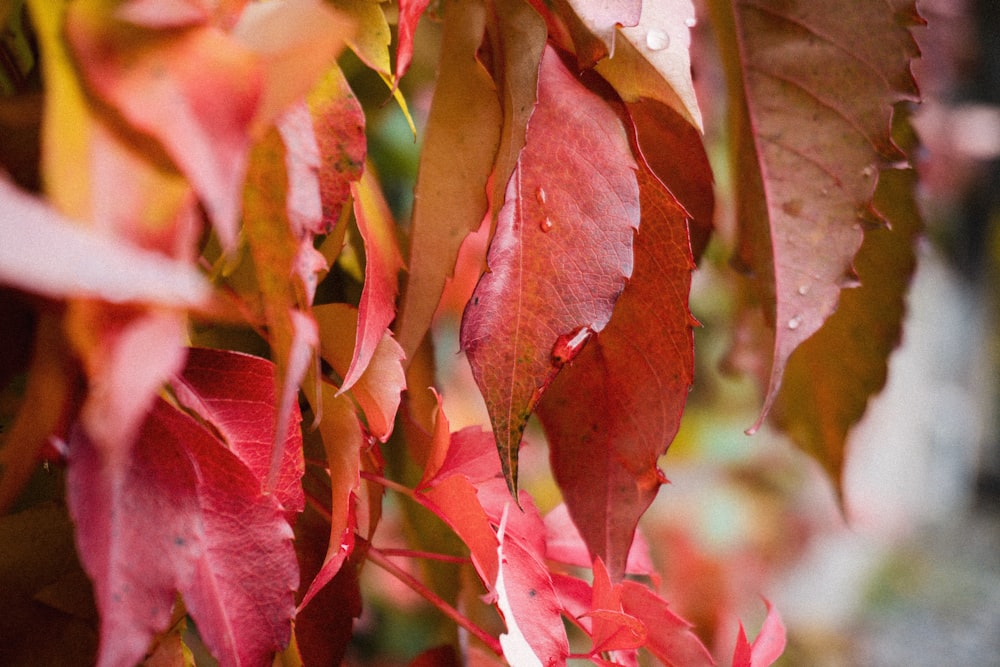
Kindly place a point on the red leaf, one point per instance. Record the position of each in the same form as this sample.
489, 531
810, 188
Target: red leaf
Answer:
766, 648
382, 265
670, 637
529, 605
206, 387
561, 254
612, 628
564, 544
409, 14
455, 501
183, 515
606, 427
813, 88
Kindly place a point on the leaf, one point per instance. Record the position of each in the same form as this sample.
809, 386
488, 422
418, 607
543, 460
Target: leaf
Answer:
339, 126
561, 254
370, 42
653, 60
195, 90
170, 521
48, 254
674, 151
460, 144
766, 648
206, 387
383, 262
606, 426
297, 41
528, 603
521, 42
831, 376
277, 252
612, 628
564, 544
594, 35
812, 88
378, 390
409, 14
670, 637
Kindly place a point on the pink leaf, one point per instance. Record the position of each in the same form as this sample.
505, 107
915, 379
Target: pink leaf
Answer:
194, 89
205, 387
183, 515
561, 254
766, 648
47, 254
529, 605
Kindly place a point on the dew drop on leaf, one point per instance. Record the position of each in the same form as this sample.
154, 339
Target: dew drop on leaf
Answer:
546, 225
803, 290
795, 322
690, 21
657, 40
567, 346
541, 195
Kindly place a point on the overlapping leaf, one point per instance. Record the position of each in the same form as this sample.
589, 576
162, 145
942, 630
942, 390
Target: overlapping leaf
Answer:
812, 95
461, 140
170, 521
653, 60
614, 409
831, 376
561, 253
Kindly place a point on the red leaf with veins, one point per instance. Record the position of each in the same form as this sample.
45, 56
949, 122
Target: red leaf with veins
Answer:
206, 387
614, 409
564, 544
561, 254
183, 515
812, 95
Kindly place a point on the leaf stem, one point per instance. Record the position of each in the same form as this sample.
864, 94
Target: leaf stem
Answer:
380, 559
429, 555
389, 484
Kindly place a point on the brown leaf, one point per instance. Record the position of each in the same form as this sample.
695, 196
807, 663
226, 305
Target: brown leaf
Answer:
460, 145
812, 87
831, 377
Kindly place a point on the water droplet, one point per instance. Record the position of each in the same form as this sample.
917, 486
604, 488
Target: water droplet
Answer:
546, 225
657, 40
803, 290
541, 196
567, 346
690, 21
868, 171
795, 322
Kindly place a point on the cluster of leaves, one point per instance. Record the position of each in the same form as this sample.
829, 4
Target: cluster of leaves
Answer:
204, 190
